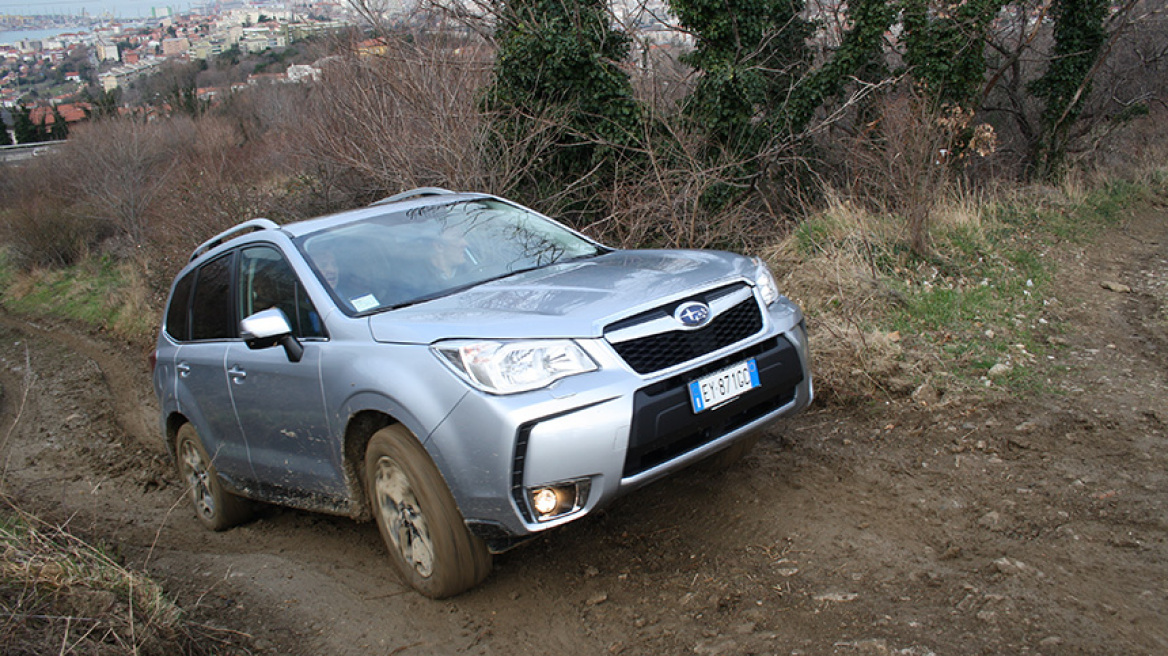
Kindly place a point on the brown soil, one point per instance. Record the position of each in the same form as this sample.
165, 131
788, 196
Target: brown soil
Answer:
1034, 524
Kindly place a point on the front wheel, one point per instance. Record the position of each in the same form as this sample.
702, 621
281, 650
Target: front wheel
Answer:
215, 507
417, 516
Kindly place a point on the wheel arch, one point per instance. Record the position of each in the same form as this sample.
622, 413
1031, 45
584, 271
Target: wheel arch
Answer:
171, 425
358, 431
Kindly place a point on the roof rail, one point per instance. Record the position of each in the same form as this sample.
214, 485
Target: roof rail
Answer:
420, 191
230, 233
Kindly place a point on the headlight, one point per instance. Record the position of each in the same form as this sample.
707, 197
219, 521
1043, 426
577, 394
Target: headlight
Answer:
509, 367
765, 281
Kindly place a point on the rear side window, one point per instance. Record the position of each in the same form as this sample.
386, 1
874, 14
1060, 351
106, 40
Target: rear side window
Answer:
211, 311
178, 315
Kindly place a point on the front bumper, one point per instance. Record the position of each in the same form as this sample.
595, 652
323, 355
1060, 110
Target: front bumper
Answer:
613, 428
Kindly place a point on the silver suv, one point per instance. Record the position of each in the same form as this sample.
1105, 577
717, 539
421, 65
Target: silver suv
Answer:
463, 370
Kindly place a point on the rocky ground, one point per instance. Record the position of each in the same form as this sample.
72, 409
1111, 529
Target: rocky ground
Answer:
962, 524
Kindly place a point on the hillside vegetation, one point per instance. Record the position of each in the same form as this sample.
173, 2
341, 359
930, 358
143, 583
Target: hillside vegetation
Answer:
904, 187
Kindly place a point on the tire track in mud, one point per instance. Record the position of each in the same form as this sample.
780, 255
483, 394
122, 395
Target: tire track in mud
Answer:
135, 410
82, 454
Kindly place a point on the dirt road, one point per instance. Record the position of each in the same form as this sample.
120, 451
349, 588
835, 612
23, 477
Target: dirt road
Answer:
1035, 524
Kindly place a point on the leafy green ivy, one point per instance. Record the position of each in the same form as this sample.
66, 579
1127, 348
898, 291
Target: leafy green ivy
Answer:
559, 62
945, 49
862, 45
1079, 35
750, 54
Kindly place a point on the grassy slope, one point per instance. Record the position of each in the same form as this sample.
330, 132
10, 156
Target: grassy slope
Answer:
97, 292
971, 314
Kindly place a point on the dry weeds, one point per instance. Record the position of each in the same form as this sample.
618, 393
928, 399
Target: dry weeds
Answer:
61, 595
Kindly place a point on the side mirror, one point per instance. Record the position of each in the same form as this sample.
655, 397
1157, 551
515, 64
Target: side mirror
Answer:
268, 328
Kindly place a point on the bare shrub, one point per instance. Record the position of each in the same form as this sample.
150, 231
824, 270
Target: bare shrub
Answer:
907, 160
1139, 151
41, 231
210, 189
378, 123
266, 109
118, 168
37, 221
660, 203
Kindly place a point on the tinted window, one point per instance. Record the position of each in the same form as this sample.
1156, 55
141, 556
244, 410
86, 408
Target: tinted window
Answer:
177, 324
265, 281
211, 312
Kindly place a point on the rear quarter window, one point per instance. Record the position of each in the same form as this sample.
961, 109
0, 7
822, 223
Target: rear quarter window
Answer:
178, 315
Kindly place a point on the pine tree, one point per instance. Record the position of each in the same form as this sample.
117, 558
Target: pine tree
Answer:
60, 129
26, 131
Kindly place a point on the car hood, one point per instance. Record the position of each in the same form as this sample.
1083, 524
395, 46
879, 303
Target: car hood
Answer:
573, 299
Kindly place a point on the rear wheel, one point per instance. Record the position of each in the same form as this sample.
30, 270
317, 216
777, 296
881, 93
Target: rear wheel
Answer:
417, 516
215, 507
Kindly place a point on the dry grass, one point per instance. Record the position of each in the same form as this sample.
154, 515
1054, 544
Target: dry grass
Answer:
825, 266
61, 595
844, 265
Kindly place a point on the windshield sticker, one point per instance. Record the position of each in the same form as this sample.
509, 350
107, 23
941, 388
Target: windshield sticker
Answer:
363, 303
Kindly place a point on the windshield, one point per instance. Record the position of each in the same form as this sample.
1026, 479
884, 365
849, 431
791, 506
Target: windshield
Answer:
406, 257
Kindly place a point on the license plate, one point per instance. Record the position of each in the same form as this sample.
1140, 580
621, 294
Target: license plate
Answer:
722, 386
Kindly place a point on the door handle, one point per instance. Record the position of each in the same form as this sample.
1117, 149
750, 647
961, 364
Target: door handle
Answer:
237, 374
183, 369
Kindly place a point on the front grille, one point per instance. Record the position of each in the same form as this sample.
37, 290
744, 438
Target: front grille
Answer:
664, 350
665, 425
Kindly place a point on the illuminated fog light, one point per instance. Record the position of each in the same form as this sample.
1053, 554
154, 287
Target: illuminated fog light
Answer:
545, 501
558, 499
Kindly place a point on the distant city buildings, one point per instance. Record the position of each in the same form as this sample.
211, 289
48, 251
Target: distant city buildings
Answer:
106, 51
124, 75
123, 51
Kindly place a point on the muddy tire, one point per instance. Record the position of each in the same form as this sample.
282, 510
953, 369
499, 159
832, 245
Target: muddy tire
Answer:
425, 534
215, 507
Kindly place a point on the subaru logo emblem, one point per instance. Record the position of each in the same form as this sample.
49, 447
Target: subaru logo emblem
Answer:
693, 314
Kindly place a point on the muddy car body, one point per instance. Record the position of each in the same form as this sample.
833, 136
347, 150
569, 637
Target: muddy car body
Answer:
462, 369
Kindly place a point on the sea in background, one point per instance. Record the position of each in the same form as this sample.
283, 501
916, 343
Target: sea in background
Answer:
93, 8
16, 36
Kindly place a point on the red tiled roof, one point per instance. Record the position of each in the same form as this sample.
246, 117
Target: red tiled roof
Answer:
71, 112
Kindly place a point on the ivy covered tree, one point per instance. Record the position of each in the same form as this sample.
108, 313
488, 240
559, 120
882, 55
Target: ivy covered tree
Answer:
1079, 35
945, 47
750, 53
557, 74
861, 48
